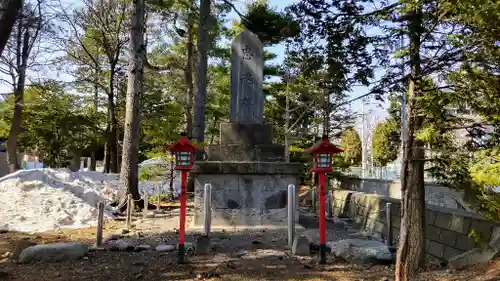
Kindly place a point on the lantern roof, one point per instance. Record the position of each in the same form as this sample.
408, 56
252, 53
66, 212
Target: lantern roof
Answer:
324, 146
183, 145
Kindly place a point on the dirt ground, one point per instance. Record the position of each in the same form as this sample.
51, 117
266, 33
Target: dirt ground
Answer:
115, 266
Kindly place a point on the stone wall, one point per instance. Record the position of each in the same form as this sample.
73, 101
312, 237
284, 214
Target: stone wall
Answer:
446, 233
434, 193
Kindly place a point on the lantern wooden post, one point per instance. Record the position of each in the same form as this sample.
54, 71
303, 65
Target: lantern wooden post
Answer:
184, 152
323, 152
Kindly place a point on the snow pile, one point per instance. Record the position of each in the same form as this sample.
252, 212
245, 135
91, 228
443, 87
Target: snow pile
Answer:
159, 187
155, 161
162, 185
47, 199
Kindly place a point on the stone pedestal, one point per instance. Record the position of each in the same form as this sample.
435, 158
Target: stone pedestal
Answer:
245, 134
245, 194
238, 152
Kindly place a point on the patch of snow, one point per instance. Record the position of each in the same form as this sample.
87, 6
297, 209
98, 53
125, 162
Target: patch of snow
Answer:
47, 199
155, 161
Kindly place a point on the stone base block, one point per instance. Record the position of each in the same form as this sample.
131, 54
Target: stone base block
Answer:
244, 199
301, 246
244, 217
237, 152
203, 246
245, 134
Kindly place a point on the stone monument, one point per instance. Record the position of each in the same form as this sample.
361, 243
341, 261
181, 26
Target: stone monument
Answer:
248, 176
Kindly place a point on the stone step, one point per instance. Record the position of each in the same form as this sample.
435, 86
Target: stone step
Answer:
239, 152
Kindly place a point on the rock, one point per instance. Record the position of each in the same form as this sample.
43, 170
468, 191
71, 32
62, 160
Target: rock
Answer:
300, 246
54, 252
331, 235
240, 254
360, 251
312, 236
338, 222
94, 248
165, 248
6, 255
112, 237
140, 248
366, 235
203, 245
123, 231
472, 257
188, 246
121, 245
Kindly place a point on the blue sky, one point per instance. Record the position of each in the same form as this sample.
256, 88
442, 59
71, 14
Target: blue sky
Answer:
279, 50
375, 107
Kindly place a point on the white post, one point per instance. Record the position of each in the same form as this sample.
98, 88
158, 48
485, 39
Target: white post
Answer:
291, 204
207, 205
89, 162
145, 207
82, 164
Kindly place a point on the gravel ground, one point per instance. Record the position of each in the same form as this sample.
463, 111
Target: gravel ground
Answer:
240, 256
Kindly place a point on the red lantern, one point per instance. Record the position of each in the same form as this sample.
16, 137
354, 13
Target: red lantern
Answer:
323, 152
184, 152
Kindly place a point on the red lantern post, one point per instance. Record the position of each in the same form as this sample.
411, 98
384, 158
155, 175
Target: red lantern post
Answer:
184, 152
323, 152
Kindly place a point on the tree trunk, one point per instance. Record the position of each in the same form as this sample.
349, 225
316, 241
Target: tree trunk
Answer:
9, 11
129, 170
201, 74
93, 160
172, 174
112, 133
411, 250
188, 77
107, 158
15, 127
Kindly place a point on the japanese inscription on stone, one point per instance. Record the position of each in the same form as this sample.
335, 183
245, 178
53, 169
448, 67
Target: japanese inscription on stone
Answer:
247, 99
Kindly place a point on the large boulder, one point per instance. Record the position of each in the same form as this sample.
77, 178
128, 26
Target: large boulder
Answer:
54, 252
359, 251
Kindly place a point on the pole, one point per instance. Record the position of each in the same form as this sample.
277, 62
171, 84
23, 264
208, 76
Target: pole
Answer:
182, 219
207, 205
100, 223
129, 211
388, 219
322, 218
314, 199
291, 214
329, 205
145, 207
